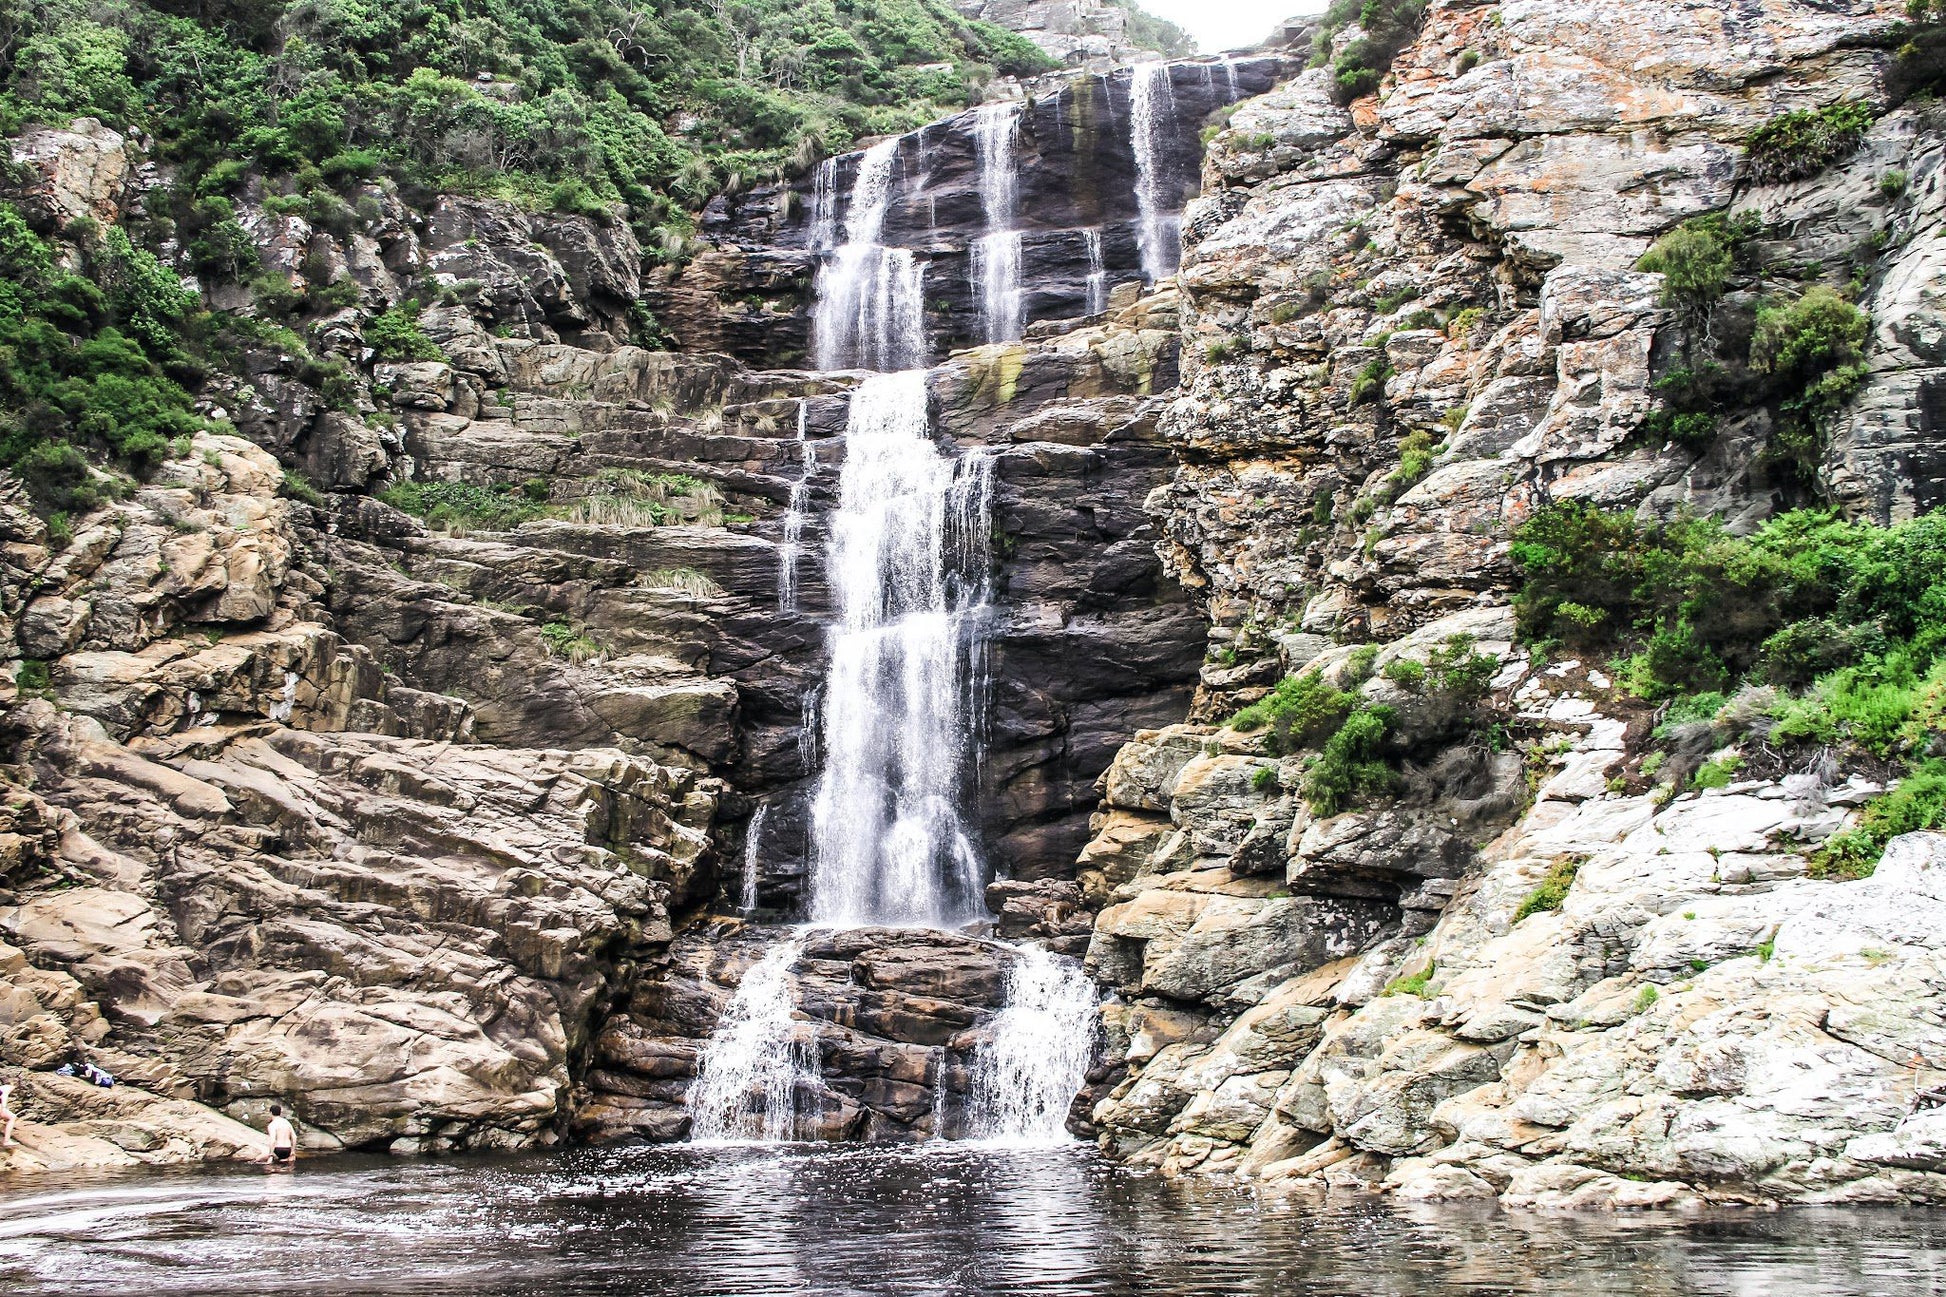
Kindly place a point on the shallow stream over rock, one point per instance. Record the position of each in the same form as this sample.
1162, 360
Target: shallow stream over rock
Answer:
932, 1219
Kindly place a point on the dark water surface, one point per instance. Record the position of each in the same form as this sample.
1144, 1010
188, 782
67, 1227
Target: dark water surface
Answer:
952, 1220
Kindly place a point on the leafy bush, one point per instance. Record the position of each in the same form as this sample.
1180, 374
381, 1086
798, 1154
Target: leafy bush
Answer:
1552, 891
1414, 985
1697, 257
92, 360
1813, 349
1369, 385
1917, 803
562, 640
1300, 710
395, 335
1388, 27
462, 506
1349, 770
1797, 144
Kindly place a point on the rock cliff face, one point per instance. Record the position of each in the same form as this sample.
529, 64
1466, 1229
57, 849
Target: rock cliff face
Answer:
412, 802
1447, 268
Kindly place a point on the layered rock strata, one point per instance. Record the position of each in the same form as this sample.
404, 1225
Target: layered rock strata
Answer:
1362, 999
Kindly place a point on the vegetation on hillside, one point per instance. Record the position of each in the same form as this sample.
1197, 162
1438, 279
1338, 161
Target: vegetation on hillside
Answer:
656, 103
1387, 27
1801, 357
616, 109
1812, 633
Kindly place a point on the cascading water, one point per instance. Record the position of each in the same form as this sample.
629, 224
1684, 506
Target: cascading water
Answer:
757, 1059
894, 727
1043, 1042
1151, 103
997, 255
907, 561
795, 512
752, 843
870, 308
1097, 274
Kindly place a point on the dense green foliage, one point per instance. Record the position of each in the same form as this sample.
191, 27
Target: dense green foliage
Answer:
1918, 802
568, 103
92, 362
1356, 740
1793, 145
1697, 257
461, 505
1804, 358
1388, 27
1845, 622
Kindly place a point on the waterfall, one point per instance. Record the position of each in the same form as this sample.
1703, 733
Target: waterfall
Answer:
824, 206
870, 308
1097, 274
752, 836
996, 256
747, 1085
907, 560
794, 513
1037, 1060
1151, 105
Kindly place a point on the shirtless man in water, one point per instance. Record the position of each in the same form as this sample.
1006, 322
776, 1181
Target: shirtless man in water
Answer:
8, 1115
283, 1139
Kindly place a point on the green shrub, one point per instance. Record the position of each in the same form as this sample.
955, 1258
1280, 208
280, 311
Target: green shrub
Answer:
1299, 711
1646, 998
1406, 673
1552, 891
1264, 778
295, 486
1697, 258
562, 640
1917, 803
1369, 385
462, 506
395, 335
1813, 350
1794, 145
1348, 769
1416, 453
1388, 26
32, 679
1414, 985
1717, 773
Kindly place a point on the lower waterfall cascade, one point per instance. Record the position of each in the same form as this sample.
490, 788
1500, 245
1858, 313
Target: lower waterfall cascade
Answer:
1043, 1043
759, 1053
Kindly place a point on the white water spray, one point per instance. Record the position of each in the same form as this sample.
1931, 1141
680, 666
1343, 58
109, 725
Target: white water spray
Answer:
997, 292
1037, 1060
752, 842
907, 561
795, 513
1151, 106
870, 309
1097, 274
756, 1060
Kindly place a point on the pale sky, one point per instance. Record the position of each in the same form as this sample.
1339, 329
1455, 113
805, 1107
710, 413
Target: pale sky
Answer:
1220, 25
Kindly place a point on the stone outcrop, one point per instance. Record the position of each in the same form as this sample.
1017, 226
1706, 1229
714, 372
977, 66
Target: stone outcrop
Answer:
1088, 34
1352, 1000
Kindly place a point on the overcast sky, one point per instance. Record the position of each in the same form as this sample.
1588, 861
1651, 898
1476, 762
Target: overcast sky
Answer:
1221, 25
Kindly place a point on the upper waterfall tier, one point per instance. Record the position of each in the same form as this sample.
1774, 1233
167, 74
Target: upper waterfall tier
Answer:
989, 220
